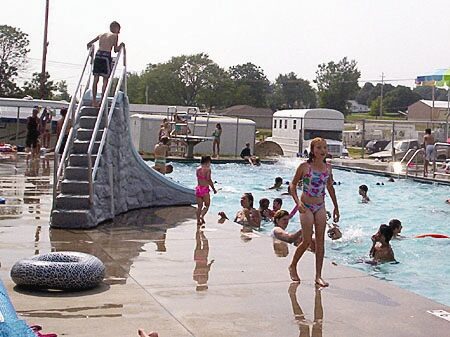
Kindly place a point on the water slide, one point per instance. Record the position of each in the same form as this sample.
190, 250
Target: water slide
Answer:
123, 181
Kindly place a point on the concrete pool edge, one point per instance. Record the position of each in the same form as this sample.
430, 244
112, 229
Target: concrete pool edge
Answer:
249, 292
386, 174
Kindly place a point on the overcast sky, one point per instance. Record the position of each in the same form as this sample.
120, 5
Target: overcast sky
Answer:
402, 38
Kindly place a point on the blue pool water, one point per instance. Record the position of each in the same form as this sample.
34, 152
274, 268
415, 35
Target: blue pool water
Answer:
423, 268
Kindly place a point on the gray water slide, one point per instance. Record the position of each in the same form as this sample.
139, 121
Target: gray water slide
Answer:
123, 182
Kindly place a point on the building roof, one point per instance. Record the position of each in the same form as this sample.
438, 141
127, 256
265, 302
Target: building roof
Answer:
310, 113
437, 104
245, 110
205, 119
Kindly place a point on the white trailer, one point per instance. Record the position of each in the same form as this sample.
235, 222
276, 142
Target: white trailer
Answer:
236, 132
294, 129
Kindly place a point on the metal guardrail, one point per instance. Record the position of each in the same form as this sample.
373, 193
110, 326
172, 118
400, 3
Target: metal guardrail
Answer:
436, 145
72, 115
422, 151
414, 157
92, 171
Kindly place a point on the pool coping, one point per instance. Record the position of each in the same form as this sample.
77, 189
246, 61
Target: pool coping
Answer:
381, 173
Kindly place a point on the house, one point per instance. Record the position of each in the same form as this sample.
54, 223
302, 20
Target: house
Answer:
355, 107
423, 110
261, 116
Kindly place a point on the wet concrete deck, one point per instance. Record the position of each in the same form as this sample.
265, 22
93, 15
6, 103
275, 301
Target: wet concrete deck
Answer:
164, 274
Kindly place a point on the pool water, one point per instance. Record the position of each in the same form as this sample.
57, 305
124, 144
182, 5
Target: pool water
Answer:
423, 263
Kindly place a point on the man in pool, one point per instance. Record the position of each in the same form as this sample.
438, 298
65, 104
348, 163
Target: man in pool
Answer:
247, 216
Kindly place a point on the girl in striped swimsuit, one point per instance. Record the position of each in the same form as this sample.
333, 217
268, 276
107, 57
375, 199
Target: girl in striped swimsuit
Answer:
316, 175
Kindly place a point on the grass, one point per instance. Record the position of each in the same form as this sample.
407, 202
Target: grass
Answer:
354, 152
359, 116
262, 134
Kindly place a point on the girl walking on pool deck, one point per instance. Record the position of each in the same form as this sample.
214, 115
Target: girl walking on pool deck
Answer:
315, 174
204, 180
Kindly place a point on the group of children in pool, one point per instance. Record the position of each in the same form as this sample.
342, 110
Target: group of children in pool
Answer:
315, 176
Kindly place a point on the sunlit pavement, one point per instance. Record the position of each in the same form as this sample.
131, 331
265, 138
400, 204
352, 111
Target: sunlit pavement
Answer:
165, 274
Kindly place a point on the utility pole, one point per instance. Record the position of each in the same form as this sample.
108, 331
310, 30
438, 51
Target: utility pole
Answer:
44, 50
381, 96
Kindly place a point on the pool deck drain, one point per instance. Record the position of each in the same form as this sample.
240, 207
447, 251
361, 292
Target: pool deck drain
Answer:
164, 274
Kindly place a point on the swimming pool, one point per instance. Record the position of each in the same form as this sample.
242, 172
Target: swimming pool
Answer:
423, 267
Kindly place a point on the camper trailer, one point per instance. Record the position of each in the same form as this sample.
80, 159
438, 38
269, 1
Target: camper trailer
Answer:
236, 132
294, 129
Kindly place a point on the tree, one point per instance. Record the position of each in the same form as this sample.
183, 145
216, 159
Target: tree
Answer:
183, 80
337, 83
290, 92
426, 92
217, 90
363, 95
13, 51
376, 92
63, 94
397, 99
251, 85
33, 88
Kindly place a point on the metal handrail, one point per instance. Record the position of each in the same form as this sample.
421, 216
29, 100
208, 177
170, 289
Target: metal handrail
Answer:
103, 108
406, 155
438, 144
70, 116
414, 156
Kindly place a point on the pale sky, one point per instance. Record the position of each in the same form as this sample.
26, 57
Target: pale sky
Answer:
402, 38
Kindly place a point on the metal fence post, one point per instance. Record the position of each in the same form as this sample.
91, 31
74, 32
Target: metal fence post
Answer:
363, 138
393, 140
237, 133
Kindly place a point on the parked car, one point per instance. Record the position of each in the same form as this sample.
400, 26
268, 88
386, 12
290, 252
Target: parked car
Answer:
400, 146
376, 146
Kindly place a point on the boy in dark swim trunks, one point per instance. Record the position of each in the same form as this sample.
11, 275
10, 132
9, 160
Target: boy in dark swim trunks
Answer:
103, 61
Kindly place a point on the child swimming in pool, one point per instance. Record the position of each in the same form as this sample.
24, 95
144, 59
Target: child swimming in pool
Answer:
316, 175
382, 250
204, 181
363, 190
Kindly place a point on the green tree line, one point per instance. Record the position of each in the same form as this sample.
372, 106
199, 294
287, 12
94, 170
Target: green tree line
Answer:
199, 81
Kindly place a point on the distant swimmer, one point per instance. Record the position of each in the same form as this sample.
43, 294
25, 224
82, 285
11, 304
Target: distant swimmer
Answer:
278, 184
363, 190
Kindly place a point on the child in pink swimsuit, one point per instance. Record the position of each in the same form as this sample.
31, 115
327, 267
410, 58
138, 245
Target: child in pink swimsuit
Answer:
204, 180
316, 176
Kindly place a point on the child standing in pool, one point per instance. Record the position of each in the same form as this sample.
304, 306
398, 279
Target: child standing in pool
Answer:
204, 181
316, 175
